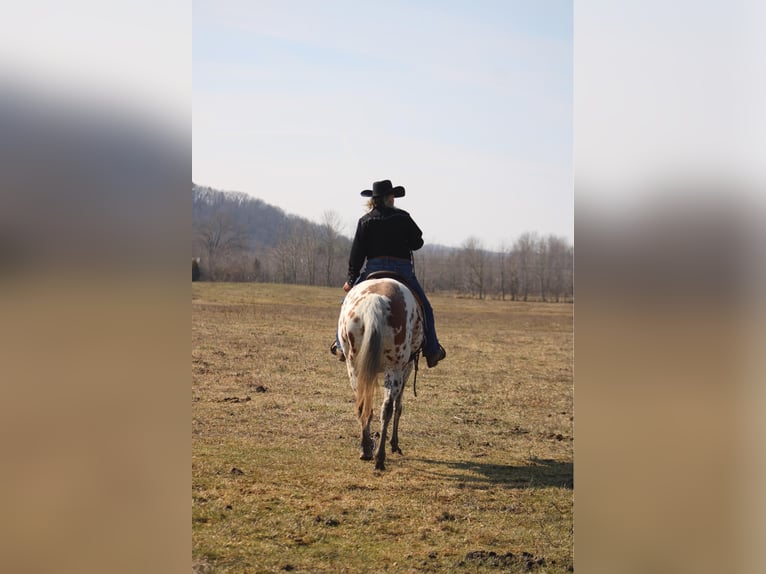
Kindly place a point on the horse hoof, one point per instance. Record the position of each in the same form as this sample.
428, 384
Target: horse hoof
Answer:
380, 466
397, 450
364, 456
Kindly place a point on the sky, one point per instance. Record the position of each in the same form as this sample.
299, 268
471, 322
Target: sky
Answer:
468, 105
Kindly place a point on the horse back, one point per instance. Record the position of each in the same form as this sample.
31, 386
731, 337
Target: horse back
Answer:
383, 274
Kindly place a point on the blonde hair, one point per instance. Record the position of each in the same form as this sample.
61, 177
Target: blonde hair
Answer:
380, 201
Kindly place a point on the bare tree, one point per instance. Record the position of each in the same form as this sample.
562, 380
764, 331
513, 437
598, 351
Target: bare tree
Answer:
524, 248
542, 267
437, 268
475, 258
311, 245
219, 238
558, 252
331, 233
288, 258
514, 281
503, 259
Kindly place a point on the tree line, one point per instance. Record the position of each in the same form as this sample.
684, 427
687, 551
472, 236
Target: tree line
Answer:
229, 244
533, 267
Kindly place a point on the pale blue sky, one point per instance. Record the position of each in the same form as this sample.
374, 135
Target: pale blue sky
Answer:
468, 105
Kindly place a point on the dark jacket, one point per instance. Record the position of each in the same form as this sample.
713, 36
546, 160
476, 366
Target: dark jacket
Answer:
383, 232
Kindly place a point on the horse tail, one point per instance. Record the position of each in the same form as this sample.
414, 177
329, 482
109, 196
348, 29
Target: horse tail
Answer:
369, 359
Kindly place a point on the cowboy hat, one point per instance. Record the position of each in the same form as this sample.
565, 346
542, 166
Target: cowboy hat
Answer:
382, 188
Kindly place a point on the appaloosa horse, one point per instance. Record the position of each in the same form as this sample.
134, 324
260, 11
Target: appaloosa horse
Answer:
380, 329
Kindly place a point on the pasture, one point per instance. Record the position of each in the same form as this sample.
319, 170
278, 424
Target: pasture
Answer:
485, 483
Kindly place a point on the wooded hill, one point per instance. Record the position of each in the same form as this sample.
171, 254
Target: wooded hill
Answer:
237, 237
256, 221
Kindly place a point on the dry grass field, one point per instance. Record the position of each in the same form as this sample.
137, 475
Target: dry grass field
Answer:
485, 483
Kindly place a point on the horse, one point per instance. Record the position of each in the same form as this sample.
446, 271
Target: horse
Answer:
380, 329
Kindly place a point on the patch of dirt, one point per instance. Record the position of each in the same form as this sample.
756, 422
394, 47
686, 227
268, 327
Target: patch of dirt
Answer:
200, 566
524, 562
327, 521
558, 437
235, 399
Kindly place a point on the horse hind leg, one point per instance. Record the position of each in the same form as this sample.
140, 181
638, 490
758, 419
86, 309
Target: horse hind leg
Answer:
368, 444
395, 429
385, 416
393, 393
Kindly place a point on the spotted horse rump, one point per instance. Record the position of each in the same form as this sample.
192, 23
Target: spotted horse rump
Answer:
380, 328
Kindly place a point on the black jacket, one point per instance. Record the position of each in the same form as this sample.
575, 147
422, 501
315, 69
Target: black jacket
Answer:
383, 232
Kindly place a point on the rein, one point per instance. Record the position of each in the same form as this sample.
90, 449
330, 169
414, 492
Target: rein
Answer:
415, 357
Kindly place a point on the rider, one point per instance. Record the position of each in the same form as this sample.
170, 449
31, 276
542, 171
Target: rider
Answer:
385, 237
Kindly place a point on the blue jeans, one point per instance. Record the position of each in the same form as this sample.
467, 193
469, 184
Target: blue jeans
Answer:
405, 268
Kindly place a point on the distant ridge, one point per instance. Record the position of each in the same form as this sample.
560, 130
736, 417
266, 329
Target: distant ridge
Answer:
237, 237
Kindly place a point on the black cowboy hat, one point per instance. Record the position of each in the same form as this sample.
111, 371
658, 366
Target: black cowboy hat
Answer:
382, 188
